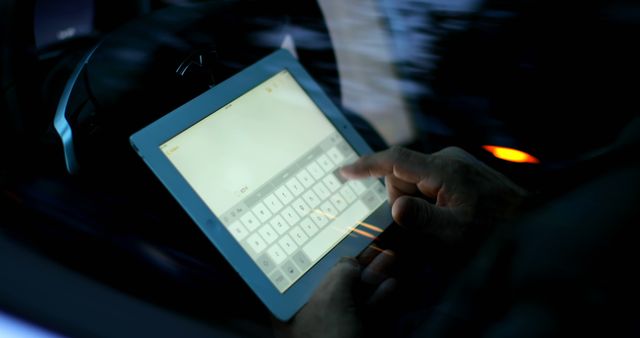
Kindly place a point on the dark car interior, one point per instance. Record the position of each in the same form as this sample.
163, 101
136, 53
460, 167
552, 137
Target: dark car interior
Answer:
90, 240
88, 202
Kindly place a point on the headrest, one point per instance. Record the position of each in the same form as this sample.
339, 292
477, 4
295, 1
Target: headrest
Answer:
152, 65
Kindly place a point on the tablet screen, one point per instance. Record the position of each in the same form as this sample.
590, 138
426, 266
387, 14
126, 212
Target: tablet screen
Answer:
266, 165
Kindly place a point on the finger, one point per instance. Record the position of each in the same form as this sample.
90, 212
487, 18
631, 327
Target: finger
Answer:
459, 154
338, 285
344, 274
413, 212
379, 268
368, 254
405, 164
397, 187
383, 291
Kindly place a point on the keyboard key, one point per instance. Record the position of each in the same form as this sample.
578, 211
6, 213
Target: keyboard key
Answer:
326, 164
298, 235
290, 270
237, 211
371, 200
273, 203
268, 233
315, 170
250, 221
338, 201
331, 182
288, 244
256, 243
319, 218
262, 212
335, 155
238, 231
329, 210
265, 263
348, 194
279, 280
301, 207
290, 216
345, 149
339, 228
279, 224
308, 226
301, 260
284, 195
305, 178
357, 187
321, 190
295, 186
276, 254
311, 198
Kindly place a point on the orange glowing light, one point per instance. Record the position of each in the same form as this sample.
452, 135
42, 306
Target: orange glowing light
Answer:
371, 227
364, 233
331, 217
511, 155
375, 248
382, 251
358, 231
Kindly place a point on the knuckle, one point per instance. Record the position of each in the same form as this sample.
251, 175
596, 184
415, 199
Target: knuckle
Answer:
452, 149
454, 160
362, 160
348, 264
400, 154
461, 168
454, 152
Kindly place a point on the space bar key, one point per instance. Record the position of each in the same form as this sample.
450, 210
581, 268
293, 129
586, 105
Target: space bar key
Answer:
335, 231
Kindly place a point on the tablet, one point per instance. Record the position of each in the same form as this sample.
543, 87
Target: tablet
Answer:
254, 161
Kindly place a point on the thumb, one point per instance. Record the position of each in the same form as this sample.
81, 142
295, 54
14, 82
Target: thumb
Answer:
344, 274
336, 291
418, 214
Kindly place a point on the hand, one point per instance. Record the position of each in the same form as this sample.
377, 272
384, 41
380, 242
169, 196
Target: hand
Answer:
465, 191
334, 309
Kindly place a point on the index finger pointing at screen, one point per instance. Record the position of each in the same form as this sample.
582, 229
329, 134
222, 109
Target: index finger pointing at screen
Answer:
405, 164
